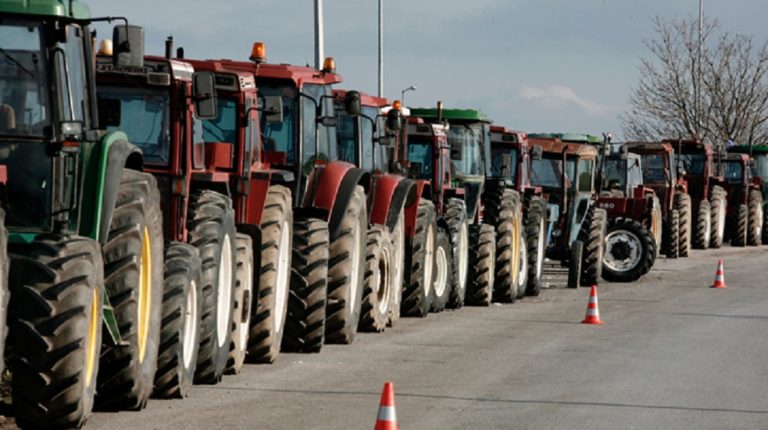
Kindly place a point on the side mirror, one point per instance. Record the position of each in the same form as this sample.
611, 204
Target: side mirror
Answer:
273, 108
109, 112
536, 152
457, 151
129, 46
352, 103
393, 122
204, 95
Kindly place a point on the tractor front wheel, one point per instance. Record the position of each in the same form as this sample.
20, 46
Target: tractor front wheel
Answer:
630, 251
683, 205
535, 232
503, 210
377, 284
482, 261
718, 206
741, 227
458, 226
592, 235
443, 271
703, 226
574, 265
420, 263
672, 241
238, 345
754, 237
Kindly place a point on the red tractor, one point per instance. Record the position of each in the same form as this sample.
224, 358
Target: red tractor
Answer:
660, 173
745, 200
365, 141
634, 234
157, 106
298, 130
436, 226
696, 164
511, 158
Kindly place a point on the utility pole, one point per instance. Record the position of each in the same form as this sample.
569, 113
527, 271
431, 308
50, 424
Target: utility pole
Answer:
381, 48
319, 43
697, 105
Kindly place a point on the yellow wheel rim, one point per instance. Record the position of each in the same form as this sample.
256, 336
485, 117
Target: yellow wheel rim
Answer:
145, 292
91, 344
516, 248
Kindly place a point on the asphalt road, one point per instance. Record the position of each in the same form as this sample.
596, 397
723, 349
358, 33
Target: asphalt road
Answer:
672, 354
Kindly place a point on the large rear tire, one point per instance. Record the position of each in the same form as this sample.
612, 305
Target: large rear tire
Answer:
683, 206
482, 259
592, 235
441, 285
503, 210
377, 284
755, 234
718, 207
211, 227
535, 233
458, 229
346, 271
133, 278
673, 234
180, 332
305, 322
269, 308
741, 227
56, 307
630, 251
703, 226
419, 263
241, 319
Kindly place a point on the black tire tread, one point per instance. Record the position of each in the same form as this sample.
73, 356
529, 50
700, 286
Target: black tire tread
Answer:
482, 251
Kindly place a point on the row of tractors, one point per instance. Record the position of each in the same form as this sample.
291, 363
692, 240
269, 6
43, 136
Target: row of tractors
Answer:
166, 219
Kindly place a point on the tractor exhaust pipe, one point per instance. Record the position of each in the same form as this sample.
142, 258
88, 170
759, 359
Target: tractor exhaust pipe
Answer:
180, 53
169, 47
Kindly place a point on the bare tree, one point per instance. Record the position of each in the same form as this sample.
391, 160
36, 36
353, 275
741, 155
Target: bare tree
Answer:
732, 80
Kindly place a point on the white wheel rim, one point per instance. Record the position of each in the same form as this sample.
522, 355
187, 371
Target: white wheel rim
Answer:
463, 259
245, 318
429, 259
759, 224
382, 281
283, 269
441, 273
190, 325
633, 246
523, 278
224, 296
540, 251
721, 220
353, 278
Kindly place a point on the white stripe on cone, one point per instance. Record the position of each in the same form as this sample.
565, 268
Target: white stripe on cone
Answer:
387, 413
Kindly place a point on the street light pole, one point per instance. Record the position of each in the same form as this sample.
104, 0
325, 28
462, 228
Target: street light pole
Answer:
381, 48
402, 94
698, 70
319, 42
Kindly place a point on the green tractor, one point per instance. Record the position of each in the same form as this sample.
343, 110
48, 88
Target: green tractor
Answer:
84, 224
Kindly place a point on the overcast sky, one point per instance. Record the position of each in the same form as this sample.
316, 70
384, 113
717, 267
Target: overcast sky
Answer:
533, 65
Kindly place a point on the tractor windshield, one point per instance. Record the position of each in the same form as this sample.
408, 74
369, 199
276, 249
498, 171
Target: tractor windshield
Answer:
501, 155
349, 130
615, 175
24, 107
143, 114
546, 173
654, 169
733, 172
280, 136
579, 174
466, 150
420, 156
693, 163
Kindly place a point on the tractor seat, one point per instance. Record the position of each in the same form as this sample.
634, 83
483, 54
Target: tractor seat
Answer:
7, 118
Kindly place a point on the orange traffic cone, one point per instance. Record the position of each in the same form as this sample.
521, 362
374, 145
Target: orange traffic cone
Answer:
387, 419
719, 276
593, 314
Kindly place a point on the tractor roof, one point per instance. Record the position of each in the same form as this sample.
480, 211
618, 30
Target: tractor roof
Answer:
153, 70
298, 74
501, 134
365, 99
553, 145
238, 81
458, 115
690, 145
650, 147
59, 8
569, 137
744, 149
742, 158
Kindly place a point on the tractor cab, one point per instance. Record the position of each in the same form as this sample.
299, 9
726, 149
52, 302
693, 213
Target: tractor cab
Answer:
511, 157
695, 164
622, 175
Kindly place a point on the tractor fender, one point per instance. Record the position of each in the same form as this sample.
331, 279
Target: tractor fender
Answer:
342, 189
390, 194
118, 154
420, 189
404, 193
